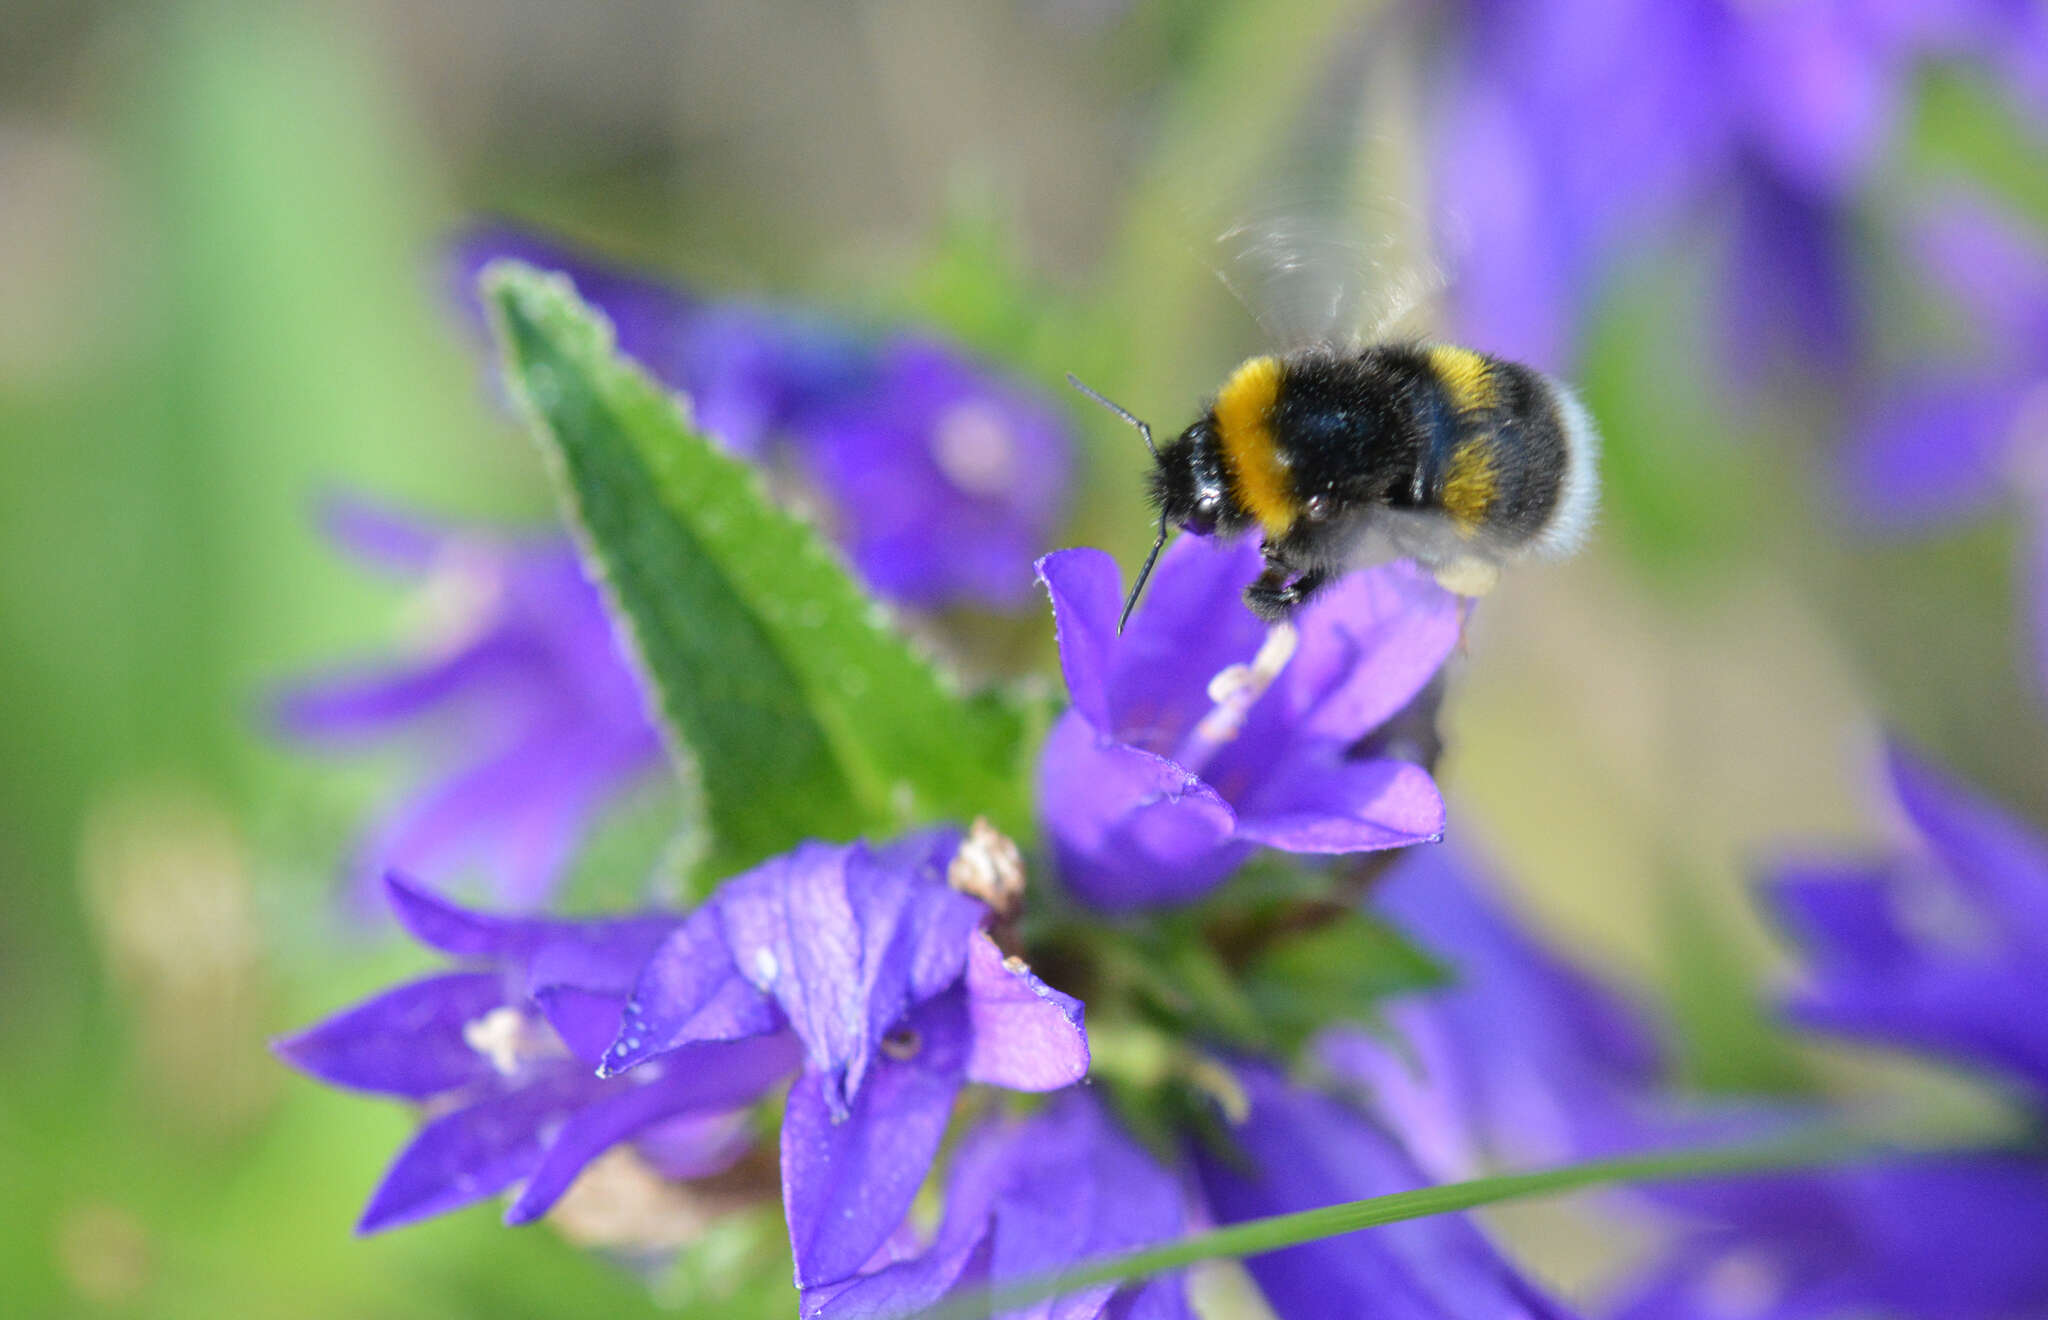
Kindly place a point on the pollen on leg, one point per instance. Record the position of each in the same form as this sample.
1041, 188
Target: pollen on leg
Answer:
1468, 576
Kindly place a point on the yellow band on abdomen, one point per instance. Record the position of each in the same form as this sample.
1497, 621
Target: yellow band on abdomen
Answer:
1244, 430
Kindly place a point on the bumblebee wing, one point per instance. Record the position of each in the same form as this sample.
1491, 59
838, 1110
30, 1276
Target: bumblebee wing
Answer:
1316, 277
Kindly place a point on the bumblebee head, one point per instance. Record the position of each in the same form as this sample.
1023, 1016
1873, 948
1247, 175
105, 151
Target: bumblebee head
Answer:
1187, 482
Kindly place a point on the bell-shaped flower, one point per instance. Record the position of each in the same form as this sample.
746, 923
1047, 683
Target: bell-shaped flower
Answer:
1190, 742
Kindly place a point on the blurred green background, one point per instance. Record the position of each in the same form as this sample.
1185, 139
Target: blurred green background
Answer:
218, 302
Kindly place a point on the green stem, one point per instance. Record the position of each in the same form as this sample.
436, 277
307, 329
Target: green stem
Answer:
1257, 1236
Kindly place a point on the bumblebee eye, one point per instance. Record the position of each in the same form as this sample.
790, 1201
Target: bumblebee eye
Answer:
1316, 508
1202, 521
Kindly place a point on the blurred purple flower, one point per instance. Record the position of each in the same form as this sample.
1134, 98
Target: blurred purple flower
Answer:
1948, 1238
521, 671
1523, 1060
1574, 130
501, 1054
1296, 1149
942, 478
1152, 791
1943, 951
857, 970
1946, 443
1026, 1199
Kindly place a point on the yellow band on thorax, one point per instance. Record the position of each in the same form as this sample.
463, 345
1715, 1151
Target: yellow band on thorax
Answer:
1244, 431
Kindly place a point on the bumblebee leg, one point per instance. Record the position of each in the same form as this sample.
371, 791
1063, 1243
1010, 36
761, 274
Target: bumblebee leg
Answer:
1274, 597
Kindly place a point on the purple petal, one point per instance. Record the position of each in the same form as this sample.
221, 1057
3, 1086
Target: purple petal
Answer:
1191, 623
948, 478
1027, 1036
1129, 828
1305, 1150
698, 1079
793, 935
1965, 1013
957, 1251
2000, 863
472, 1153
688, 990
1086, 597
846, 1184
1079, 1189
367, 705
440, 924
1323, 805
914, 930
1367, 647
1843, 915
1788, 289
1933, 450
407, 1041
602, 955
696, 1146
1995, 265
585, 1020
383, 536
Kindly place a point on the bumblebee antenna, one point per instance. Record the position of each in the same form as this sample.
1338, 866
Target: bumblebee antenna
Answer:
1143, 429
1152, 449
1143, 573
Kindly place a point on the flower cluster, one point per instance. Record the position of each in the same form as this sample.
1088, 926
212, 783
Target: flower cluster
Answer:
858, 971
876, 990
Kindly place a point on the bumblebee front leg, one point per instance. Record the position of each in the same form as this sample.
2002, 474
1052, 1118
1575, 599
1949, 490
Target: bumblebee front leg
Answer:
1279, 591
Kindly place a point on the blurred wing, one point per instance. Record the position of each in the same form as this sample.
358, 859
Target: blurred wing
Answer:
1317, 276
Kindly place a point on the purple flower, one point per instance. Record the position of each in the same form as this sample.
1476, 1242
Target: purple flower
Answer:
898, 999
1152, 790
501, 1054
1940, 951
1947, 1238
1522, 1061
857, 970
1296, 1149
520, 670
942, 478
1026, 1199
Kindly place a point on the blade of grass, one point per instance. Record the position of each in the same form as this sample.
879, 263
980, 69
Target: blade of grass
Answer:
1258, 1236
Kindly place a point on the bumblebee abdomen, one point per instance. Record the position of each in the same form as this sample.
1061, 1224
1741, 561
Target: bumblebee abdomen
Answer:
1510, 456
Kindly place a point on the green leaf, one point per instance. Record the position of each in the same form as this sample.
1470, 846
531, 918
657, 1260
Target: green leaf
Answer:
1341, 970
801, 711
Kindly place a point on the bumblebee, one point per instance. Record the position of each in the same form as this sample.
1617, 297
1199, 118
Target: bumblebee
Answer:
1341, 458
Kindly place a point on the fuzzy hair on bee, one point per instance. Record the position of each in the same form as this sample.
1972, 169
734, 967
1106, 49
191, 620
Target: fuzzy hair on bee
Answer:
1341, 457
